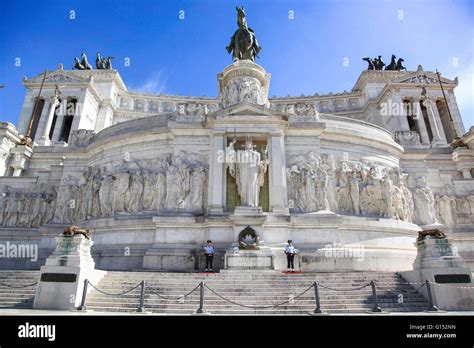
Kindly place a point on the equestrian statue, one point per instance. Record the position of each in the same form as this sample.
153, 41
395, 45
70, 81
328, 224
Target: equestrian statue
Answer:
243, 43
378, 64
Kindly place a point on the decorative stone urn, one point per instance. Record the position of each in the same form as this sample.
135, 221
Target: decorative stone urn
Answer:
243, 82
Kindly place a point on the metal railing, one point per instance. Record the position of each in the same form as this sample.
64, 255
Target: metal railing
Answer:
18, 287
315, 285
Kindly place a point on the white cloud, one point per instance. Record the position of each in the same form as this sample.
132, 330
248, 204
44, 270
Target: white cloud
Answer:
155, 84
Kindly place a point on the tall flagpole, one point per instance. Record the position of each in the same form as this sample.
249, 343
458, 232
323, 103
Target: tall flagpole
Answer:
447, 105
26, 140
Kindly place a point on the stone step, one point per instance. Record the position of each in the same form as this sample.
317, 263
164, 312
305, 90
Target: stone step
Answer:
252, 288
244, 288
254, 281
256, 277
19, 296
298, 302
257, 297
29, 290
229, 294
13, 301
230, 308
262, 289
255, 288
15, 295
216, 276
273, 294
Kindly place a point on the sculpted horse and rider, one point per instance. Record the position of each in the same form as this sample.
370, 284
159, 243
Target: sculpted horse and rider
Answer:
378, 64
100, 63
243, 44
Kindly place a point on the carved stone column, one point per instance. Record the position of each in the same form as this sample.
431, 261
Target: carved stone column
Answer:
105, 115
421, 123
44, 140
217, 173
42, 121
456, 115
277, 175
438, 139
402, 119
436, 116
59, 124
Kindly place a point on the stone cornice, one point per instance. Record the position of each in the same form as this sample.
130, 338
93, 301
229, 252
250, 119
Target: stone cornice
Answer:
405, 78
65, 80
10, 131
167, 97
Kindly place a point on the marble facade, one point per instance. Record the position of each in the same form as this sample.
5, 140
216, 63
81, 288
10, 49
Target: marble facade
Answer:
148, 174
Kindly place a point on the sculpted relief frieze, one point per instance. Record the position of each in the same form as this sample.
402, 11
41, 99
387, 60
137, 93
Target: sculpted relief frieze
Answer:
167, 184
243, 90
183, 108
27, 207
407, 138
318, 183
81, 138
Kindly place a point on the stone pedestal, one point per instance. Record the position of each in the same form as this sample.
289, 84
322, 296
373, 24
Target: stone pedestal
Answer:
451, 282
62, 278
236, 259
176, 258
20, 156
244, 82
248, 211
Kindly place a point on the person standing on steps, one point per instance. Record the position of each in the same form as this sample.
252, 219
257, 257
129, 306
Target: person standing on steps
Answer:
290, 252
209, 251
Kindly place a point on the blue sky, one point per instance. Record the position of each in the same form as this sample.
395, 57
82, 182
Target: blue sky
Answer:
304, 54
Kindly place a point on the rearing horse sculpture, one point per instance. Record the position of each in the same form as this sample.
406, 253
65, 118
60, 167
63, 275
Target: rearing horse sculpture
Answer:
243, 43
395, 64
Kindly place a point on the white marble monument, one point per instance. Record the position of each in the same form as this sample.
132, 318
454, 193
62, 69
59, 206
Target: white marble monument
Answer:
363, 170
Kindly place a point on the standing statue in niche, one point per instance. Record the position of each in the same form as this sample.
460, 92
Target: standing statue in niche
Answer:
249, 174
243, 43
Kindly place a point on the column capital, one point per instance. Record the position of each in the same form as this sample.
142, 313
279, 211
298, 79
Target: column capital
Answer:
218, 132
276, 133
20, 157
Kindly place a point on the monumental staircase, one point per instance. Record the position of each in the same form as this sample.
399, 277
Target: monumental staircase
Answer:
232, 292
17, 288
